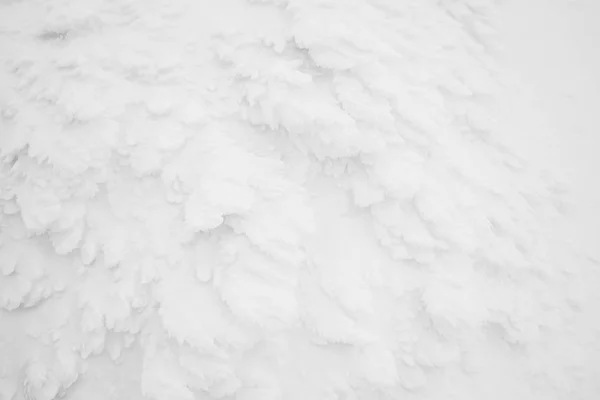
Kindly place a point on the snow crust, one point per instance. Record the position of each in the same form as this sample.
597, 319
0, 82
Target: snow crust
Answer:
272, 199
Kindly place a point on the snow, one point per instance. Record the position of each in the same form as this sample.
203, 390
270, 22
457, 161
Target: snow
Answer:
553, 121
299, 199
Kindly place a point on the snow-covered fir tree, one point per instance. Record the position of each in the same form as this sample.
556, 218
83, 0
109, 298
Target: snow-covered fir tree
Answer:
271, 200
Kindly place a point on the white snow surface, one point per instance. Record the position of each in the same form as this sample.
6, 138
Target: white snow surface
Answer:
298, 199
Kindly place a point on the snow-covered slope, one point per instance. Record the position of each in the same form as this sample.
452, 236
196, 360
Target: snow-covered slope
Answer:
276, 199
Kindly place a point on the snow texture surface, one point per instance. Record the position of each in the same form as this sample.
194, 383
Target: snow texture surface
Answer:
275, 200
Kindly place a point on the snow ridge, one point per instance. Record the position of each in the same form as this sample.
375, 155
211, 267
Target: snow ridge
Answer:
275, 199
